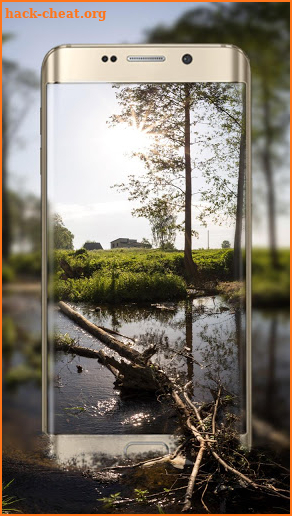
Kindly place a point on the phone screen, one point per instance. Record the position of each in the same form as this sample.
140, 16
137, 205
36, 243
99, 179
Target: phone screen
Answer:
146, 237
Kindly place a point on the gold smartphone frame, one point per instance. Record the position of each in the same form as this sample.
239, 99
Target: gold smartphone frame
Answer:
82, 64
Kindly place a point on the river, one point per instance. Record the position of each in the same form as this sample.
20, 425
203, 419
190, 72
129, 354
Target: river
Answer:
196, 340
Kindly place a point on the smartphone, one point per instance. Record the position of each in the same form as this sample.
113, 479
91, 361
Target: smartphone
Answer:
146, 240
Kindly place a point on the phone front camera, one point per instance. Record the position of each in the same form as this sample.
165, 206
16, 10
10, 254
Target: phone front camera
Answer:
104, 59
187, 58
113, 59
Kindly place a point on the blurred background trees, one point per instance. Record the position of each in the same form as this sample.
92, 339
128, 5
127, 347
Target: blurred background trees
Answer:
21, 214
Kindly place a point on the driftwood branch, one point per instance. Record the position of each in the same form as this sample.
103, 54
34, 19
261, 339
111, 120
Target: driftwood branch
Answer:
192, 479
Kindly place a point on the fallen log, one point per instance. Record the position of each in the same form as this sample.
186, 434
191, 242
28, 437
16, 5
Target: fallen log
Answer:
137, 374
129, 376
122, 349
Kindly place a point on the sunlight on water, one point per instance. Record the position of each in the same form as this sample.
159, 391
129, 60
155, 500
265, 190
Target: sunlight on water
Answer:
138, 419
102, 407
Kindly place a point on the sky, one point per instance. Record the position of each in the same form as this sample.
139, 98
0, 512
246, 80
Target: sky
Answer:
87, 156
33, 38
126, 22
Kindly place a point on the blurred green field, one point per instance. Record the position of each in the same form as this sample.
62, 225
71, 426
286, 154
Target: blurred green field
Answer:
270, 286
119, 275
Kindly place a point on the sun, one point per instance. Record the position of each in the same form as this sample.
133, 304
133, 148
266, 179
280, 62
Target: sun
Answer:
135, 137
131, 139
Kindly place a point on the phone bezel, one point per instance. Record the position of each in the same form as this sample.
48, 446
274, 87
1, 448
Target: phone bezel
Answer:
83, 64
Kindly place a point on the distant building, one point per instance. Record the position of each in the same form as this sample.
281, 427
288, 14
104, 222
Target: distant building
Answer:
92, 246
125, 242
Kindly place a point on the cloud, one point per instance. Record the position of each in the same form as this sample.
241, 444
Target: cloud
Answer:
71, 212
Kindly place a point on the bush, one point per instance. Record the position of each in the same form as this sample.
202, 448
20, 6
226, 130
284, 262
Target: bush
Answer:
7, 273
26, 264
9, 335
124, 286
20, 374
120, 275
134, 275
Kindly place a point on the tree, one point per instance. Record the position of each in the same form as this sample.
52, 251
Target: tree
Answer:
63, 238
18, 87
262, 31
145, 243
169, 113
162, 221
25, 214
164, 111
225, 244
224, 171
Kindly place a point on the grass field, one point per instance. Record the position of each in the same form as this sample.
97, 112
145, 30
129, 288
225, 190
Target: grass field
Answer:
125, 275
134, 275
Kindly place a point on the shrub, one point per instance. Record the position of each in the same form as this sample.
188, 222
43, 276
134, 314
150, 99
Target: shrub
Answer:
7, 273
122, 286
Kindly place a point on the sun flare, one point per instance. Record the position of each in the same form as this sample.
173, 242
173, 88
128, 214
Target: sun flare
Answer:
131, 139
137, 136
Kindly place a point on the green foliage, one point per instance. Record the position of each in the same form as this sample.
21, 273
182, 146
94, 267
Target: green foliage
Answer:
162, 220
80, 252
142, 275
102, 270
141, 495
160, 510
261, 260
145, 260
28, 264
7, 273
160, 110
272, 290
123, 286
65, 338
75, 409
9, 335
29, 349
21, 374
225, 244
110, 501
63, 238
270, 286
146, 244
8, 501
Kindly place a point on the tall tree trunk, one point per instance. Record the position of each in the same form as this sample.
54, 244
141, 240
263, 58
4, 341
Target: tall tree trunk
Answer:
237, 260
190, 267
268, 171
6, 231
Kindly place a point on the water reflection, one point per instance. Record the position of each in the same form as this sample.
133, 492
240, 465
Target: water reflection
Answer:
197, 341
271, 370
184, 345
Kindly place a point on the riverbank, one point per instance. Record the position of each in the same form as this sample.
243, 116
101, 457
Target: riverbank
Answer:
139, 275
